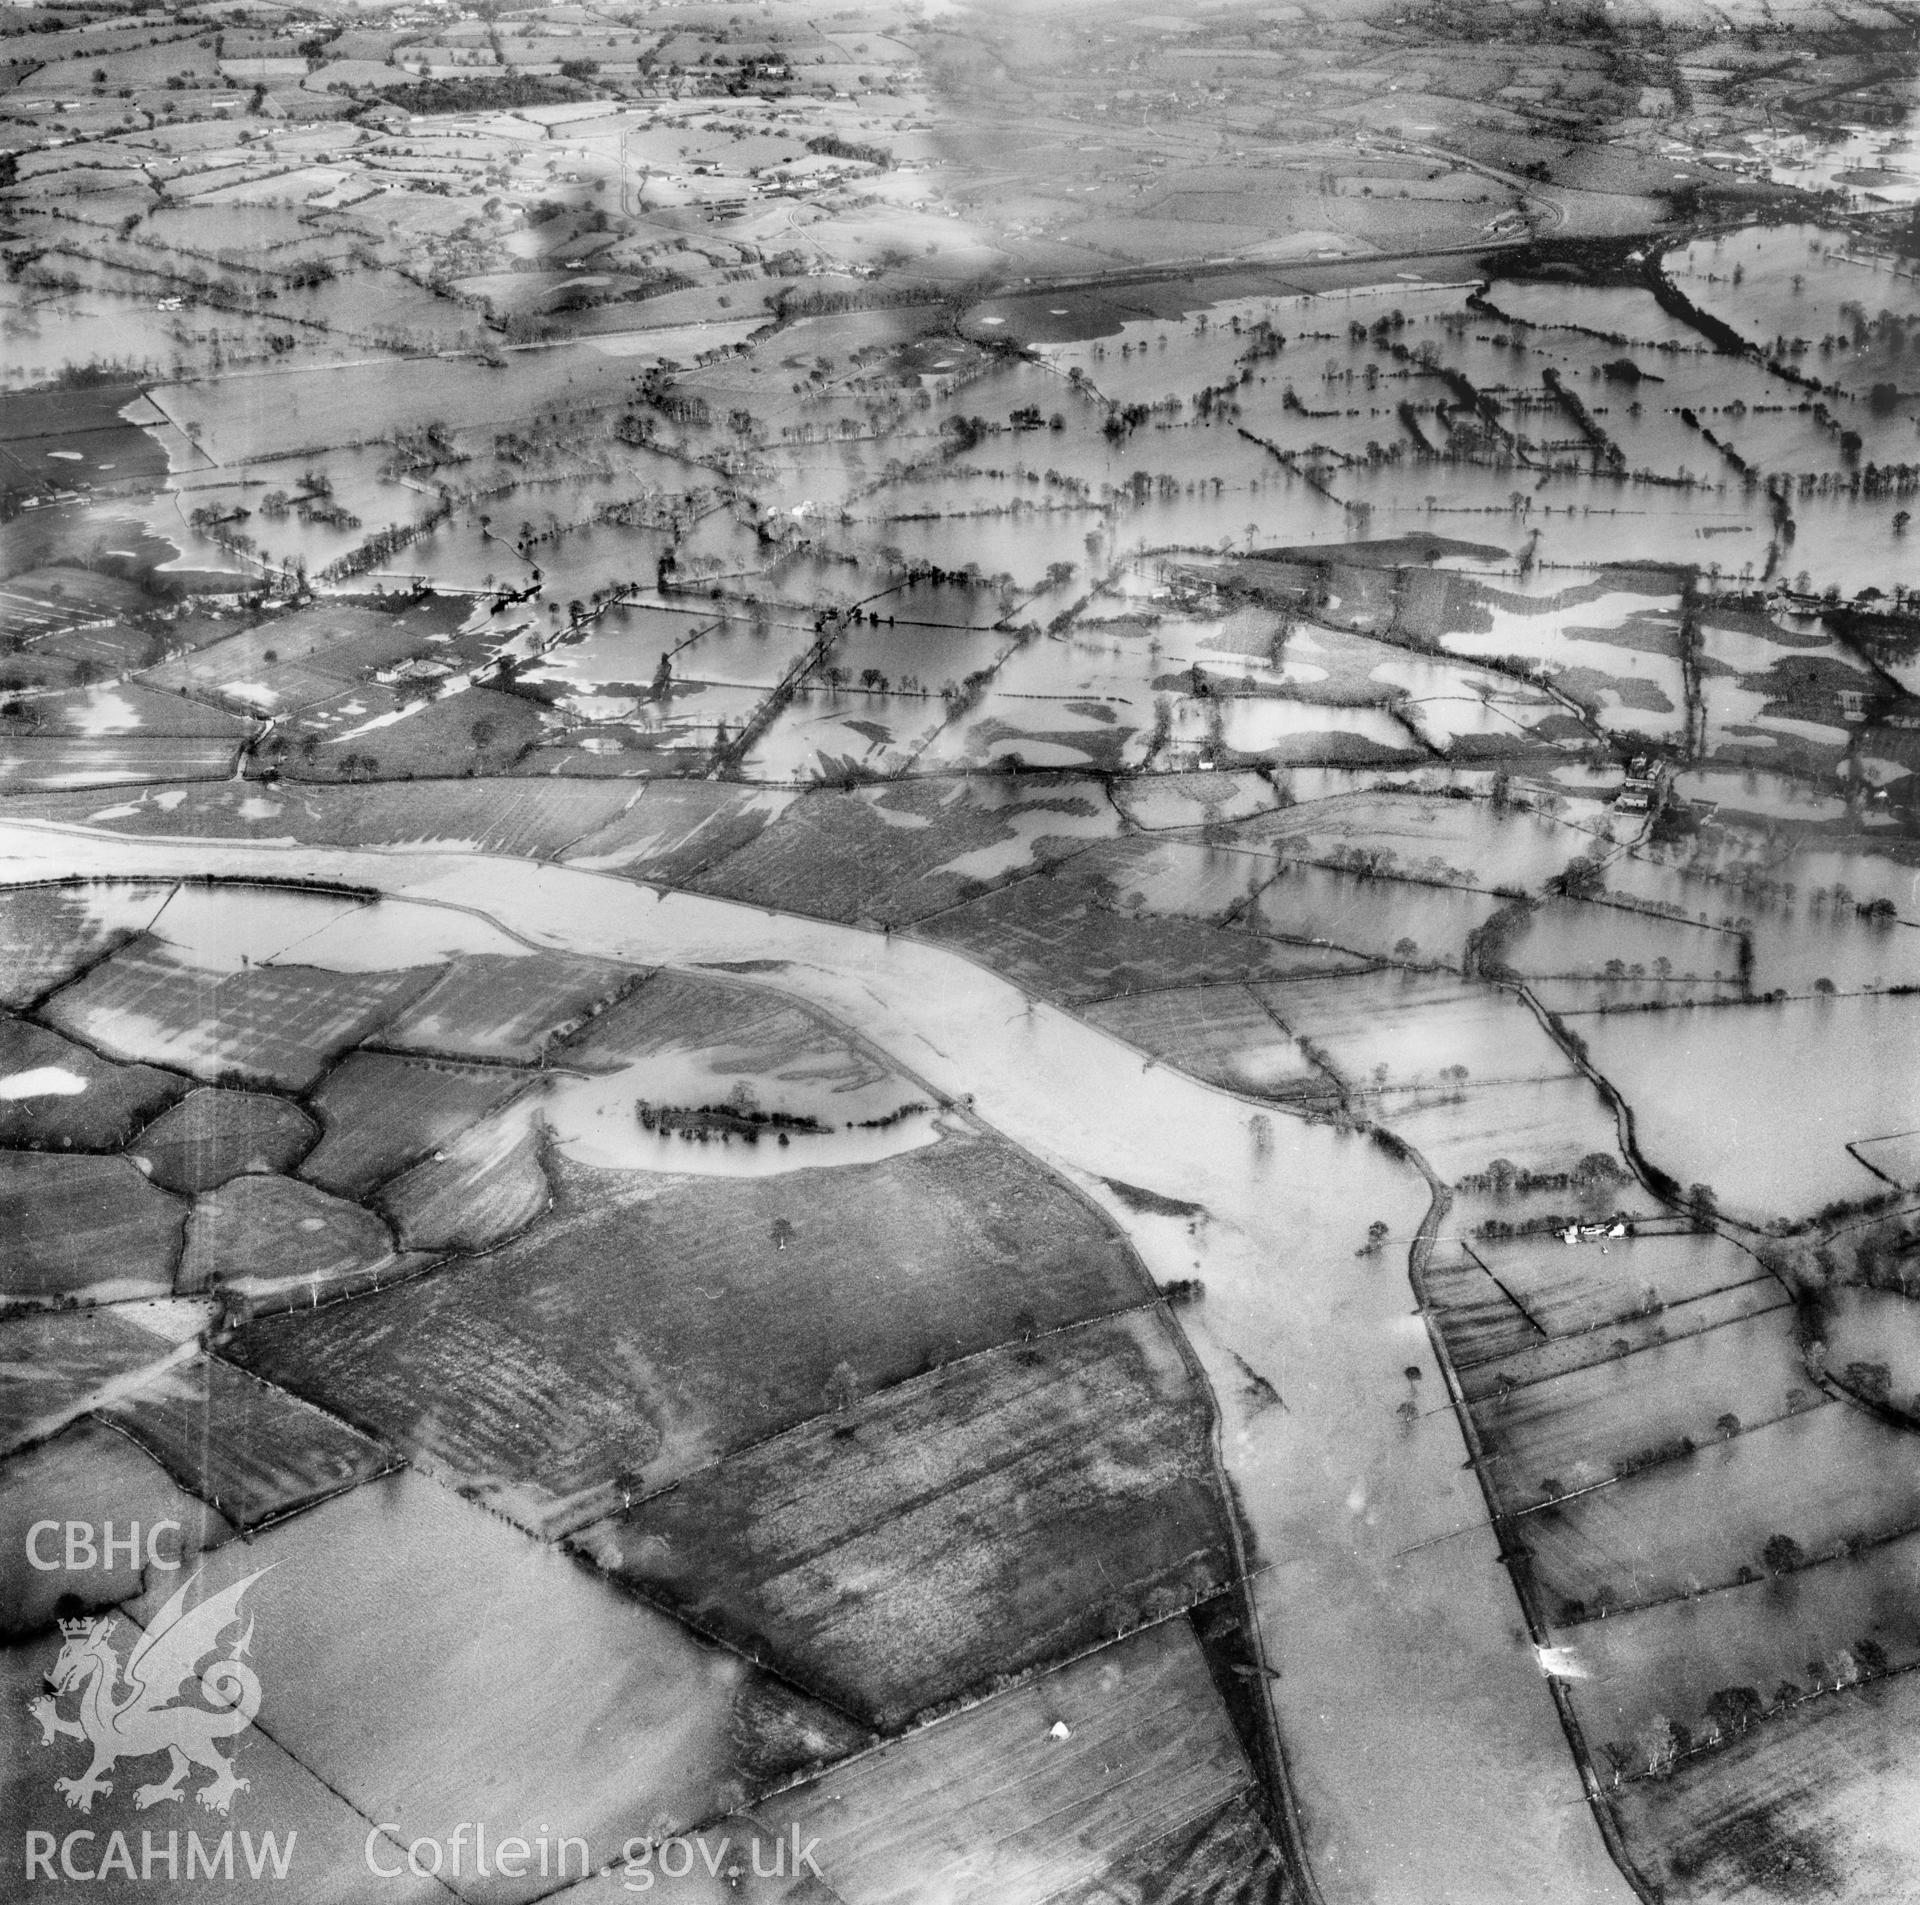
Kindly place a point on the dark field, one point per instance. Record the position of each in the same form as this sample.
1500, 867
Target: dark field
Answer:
84, 1226
279, 1025
56, 1362
1810, 1803
48, 932
842, 857
99, 1473
114, 1102
379, 1113
214, 1134
1221, 1033
272, 1234
482, 1188
1010, 1509
251, 1450
1060, 936
496, 1006
1144, 1801
652, 1323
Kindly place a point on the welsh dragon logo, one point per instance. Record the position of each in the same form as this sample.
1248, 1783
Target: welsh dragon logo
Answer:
132, 1709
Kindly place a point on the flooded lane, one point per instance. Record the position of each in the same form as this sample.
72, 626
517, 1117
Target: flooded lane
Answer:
1428, 1760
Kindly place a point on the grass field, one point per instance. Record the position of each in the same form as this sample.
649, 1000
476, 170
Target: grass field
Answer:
85, 1227
1060, 937
650, 1324
559, 1699
332, 1836
1589, 1424
1009, 1509
1580, 1296
501, 1007
58, 1363
473, 732
1825, 1477
264, 1236
308, 655
536, 819
1604, 1320
280, 1025
44, 763
671, 830
92, 1473
212, 1135
1222, 1033
1820, 1802
476, 1191
47, 933
991, 1807
253, 1451
56, 1095
897, 853
379, 1113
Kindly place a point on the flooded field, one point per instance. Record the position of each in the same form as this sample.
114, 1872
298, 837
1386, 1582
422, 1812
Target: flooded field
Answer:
1790, 1092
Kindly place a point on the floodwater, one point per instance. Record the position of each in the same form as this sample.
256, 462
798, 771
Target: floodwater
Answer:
615, 1718
1788, 1089
595, 1119
221, 929
1427, 1754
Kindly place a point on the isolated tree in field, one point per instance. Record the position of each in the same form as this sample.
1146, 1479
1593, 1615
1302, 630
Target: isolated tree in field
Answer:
781, 1233
843, 1387
1726, 1426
